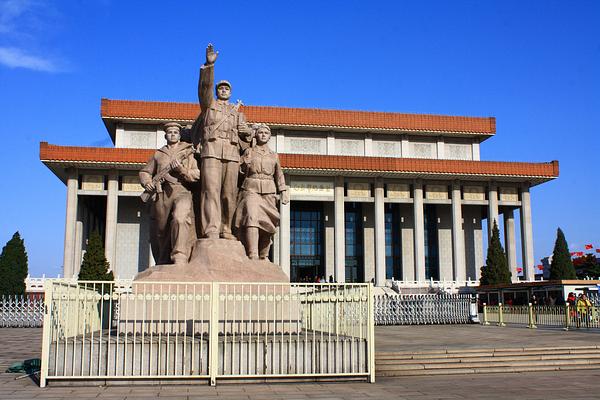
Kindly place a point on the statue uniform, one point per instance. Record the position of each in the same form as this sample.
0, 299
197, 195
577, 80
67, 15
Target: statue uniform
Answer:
171, 215
218, 130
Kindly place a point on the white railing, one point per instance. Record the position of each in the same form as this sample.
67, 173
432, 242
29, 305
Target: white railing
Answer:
179, 330
21, 311
447, 286
425, 309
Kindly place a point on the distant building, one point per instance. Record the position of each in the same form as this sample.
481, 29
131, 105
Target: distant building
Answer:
374, 195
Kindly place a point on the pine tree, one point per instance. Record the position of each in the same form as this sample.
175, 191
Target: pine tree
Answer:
13, 266
496, 269
95, 266
561, 266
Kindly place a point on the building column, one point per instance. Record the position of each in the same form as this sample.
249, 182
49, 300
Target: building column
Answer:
284, 234
440, 147
379, 234
475, 150
70, 224
280, 146
419, 230
275, 246
492, 208
509, 241
340, 231
527, 234
110, 232
404, 147
330, 143
78, 245
368, 144
458, 235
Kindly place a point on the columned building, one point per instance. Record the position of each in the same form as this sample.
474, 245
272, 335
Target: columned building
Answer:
374, 196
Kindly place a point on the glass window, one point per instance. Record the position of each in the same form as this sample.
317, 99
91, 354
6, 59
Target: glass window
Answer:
393, 243
354, 242
306, 241
432, 270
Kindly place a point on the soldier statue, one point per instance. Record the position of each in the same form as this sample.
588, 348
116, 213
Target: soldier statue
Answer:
257, 214
166, 179
220, 130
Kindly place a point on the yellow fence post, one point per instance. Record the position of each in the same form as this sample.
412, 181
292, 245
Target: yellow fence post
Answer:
46, 332
371, 322
500, 315
213, 344
567, 316
485, 316
531, 320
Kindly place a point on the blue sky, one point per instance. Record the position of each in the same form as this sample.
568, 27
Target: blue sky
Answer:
535, 66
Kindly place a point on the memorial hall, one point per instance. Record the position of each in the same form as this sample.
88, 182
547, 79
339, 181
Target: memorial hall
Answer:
374, 196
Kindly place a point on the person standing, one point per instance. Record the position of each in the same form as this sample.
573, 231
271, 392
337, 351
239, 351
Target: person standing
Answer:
218, 130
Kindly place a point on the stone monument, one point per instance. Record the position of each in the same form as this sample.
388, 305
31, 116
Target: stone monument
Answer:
166, 178
225, 250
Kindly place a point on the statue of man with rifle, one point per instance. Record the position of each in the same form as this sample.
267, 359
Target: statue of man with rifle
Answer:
166, 179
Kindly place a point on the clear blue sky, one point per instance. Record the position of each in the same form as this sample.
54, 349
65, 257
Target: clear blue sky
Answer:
535, 66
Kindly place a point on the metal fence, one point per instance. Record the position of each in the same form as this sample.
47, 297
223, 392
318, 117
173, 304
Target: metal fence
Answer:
425, 309
21, 311
565, 316
178, 330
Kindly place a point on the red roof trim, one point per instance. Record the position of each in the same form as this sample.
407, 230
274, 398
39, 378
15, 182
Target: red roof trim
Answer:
49, 152
123, 109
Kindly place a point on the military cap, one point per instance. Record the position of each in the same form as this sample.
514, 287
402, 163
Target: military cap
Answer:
171, 125
221, 83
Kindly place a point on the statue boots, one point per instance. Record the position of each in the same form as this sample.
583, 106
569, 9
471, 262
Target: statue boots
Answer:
251, 242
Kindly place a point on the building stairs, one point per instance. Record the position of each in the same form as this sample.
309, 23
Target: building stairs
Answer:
491, 360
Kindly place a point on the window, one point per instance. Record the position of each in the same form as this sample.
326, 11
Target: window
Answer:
432, 270
306, 241
393, 243
354, 242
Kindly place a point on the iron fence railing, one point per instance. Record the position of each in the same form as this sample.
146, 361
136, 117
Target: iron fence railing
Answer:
424, 309
180, 330
563, 316
21, 311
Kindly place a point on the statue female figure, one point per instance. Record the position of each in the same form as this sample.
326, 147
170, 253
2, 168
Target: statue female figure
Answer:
256, 215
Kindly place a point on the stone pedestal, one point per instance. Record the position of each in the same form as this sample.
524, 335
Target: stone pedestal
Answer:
216, 260
252, 296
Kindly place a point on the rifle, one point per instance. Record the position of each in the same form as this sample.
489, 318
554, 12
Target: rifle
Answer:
158, 179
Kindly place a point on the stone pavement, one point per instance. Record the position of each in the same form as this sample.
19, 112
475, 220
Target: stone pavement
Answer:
18, 344
437, 337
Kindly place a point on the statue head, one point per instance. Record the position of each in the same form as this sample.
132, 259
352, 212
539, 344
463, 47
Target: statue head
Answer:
262, 133
172, 132
223, 90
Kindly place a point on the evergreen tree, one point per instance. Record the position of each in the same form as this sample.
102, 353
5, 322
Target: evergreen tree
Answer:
95, 266
561, 266
13, 266
496, 269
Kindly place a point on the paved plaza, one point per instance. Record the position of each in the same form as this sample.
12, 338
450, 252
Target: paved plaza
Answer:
19, 344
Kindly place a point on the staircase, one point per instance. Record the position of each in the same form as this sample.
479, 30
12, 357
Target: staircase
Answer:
483, 361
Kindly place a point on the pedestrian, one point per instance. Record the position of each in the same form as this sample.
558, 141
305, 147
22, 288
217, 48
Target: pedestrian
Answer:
583, 310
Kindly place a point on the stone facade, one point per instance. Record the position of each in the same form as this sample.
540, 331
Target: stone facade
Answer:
455, 206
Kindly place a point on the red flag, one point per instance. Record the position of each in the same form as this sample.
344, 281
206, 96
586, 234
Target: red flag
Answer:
519, 269
573, 253
579, 254
597, 250
589, 246
540, 267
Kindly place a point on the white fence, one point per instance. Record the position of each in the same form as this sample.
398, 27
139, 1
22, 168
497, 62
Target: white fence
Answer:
178, 330
21, 311
425, 309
